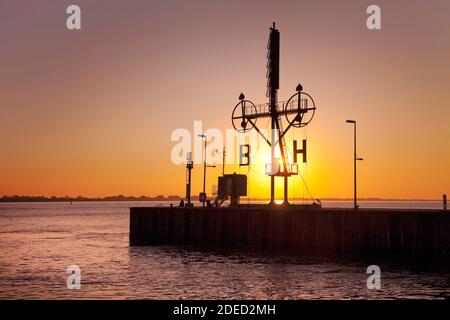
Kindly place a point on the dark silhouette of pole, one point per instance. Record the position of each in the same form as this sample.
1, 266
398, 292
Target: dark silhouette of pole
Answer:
355, 158
354, 165
189, 167
204, 169
273, 68
223, 161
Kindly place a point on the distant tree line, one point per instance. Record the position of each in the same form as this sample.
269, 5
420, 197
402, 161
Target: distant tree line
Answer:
119, 197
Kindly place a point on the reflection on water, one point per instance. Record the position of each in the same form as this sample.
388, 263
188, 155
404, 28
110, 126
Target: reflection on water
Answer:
39, 241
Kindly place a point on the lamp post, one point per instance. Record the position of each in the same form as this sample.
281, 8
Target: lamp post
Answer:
355, 158
204, 169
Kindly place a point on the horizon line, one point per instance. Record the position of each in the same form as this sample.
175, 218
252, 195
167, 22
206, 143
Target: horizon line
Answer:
121, 197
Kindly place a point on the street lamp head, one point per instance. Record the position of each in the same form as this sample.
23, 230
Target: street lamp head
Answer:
350, 121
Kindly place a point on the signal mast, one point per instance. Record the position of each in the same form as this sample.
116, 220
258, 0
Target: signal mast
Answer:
298, 111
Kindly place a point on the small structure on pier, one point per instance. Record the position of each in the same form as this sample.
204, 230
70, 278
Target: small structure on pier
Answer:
233, 186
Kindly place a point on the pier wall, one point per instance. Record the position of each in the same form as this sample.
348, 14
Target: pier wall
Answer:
414, 234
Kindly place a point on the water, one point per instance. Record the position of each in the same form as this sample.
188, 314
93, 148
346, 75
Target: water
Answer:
38, 241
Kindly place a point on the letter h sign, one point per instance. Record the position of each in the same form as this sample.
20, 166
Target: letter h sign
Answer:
297, 151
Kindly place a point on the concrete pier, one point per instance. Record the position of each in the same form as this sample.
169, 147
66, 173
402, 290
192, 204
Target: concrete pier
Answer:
406, 234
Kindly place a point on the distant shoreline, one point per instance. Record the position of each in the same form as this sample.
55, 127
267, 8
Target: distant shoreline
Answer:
162, 198
86, 199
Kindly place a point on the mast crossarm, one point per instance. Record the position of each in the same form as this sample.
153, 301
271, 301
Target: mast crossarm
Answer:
269, 114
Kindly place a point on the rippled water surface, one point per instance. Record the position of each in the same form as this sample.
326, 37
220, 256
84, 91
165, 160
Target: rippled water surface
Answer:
38, 241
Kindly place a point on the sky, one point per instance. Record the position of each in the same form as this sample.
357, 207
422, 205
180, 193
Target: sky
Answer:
91, 112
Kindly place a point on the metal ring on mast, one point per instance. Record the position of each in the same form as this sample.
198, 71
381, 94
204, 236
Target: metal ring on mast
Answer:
302, 108
244, 118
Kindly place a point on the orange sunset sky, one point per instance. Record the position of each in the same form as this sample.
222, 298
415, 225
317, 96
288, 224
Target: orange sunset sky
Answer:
91, 112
